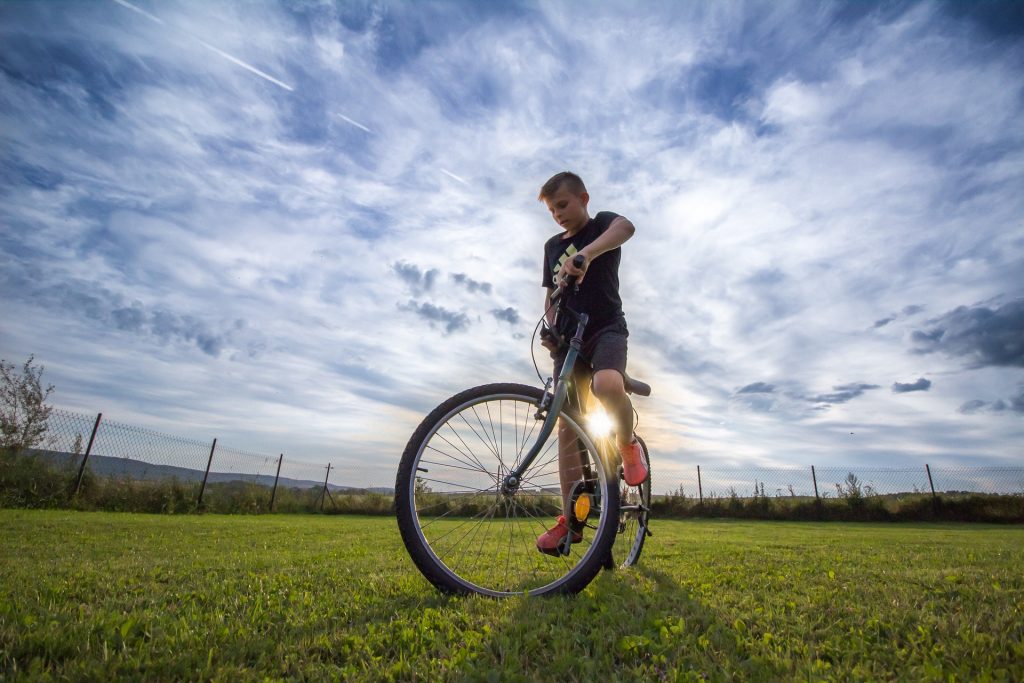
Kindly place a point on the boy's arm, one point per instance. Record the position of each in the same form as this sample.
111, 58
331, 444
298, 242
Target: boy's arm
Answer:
619, 230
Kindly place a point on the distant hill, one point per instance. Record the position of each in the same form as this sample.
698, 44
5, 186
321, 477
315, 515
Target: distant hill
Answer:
107, 466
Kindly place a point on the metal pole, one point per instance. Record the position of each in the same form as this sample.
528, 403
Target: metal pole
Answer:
323, 496
929, 471
277, 476
88, 450
700, 489
814, 477
206, 475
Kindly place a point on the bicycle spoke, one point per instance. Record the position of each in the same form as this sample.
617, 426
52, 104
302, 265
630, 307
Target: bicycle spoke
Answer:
497, 442
457, 467
479, 538
459, 437
474, 532
468, 521
451, 483
474, 463
488, 442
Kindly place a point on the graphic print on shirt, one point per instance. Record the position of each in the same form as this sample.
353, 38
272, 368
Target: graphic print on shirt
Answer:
569, 253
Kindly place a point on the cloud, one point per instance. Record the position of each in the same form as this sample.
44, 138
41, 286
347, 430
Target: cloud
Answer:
906, 312
757, 388
472, 285
509, 315
920, 385
843, 393
883, 322
113, 310
797, 173
972, 407
450, 320
982, 335
418, 280
1014, 404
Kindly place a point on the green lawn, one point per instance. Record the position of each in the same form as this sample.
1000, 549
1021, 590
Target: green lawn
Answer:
97, 596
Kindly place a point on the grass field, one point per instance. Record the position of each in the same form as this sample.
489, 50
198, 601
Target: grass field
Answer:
98, 596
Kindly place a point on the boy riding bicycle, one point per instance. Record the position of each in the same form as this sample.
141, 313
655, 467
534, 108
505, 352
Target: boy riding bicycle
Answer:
602, 362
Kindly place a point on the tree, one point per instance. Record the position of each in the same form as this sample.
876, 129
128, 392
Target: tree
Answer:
23, 409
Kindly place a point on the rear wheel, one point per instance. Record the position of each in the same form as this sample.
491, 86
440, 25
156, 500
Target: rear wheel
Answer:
468, 536
634, 515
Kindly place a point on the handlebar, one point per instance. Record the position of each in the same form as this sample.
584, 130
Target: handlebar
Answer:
570, 280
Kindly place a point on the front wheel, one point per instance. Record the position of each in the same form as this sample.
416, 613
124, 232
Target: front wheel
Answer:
465, 534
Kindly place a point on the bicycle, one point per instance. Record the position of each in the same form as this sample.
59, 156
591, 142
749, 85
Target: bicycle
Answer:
476, 485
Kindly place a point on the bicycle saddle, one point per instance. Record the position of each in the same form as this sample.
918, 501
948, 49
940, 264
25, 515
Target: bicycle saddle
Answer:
635, 386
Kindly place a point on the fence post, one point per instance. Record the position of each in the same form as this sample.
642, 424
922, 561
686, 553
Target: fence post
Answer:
700, 489
814, 477
206, 475
273, 493
323, 496
929, 471
88, 450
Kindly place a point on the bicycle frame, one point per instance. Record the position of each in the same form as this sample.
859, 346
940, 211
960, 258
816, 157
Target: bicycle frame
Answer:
515, 477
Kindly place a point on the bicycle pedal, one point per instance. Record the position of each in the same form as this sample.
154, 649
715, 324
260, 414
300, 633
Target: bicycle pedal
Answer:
565, 545
647, 530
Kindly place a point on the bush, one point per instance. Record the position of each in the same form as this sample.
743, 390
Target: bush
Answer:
855, 506
29, 479
23, 409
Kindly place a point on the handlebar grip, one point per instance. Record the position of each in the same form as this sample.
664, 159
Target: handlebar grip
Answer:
570, 280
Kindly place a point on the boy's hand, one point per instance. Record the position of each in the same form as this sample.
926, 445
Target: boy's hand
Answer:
548, 340
569, 268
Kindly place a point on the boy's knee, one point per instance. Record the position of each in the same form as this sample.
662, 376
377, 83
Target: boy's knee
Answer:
609, 384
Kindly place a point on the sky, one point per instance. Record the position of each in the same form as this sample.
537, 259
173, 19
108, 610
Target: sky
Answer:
298, 227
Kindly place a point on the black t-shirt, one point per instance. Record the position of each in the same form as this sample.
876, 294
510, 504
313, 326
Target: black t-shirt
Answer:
599, 294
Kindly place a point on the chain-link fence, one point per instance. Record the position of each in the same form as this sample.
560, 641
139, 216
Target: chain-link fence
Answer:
93, 447
210, 475
842, 482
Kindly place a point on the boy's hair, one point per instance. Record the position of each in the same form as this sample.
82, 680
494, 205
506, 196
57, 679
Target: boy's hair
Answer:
567, 178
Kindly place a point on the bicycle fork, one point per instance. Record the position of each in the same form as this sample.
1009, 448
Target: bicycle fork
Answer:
514, 479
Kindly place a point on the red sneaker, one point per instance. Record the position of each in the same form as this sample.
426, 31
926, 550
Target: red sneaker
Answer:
549, 541
634, 469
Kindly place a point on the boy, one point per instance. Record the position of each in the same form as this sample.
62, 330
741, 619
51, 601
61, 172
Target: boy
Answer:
602, 360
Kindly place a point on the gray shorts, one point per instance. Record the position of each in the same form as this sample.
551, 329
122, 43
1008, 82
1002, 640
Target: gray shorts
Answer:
605, 349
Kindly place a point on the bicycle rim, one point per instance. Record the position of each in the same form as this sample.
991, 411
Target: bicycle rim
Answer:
471, 537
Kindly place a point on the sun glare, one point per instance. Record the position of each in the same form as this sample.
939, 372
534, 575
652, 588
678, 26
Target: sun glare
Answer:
599, 424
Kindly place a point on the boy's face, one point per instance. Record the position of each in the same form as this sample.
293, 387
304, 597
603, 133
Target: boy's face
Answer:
568, 209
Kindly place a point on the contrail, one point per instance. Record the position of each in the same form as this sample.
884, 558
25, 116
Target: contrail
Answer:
242, 64
139, 10
225, 55
452, 175
354, 123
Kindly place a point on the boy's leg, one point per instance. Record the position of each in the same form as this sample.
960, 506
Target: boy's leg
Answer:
609, 361
610, 389
570, 462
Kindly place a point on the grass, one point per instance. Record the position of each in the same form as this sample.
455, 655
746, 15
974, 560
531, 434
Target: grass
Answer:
99, 596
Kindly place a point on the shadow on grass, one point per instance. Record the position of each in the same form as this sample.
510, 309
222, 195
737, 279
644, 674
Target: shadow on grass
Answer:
632, 624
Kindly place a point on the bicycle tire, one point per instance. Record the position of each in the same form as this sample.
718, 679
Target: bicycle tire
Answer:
634, 517
463, 536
